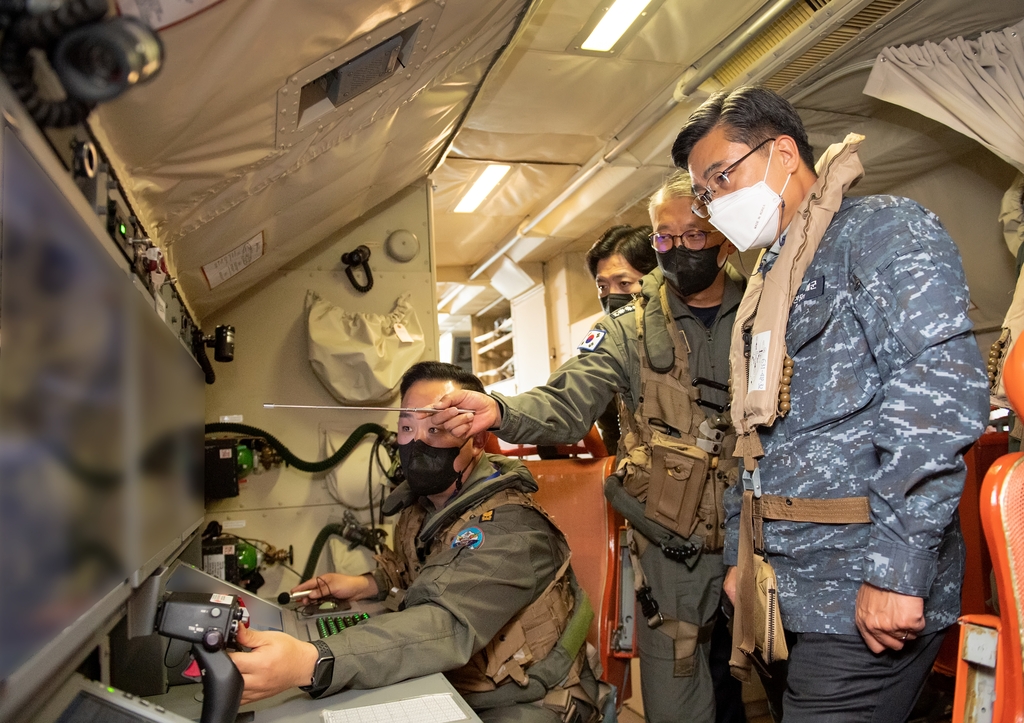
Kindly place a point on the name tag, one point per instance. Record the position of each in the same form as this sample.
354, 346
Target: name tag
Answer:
810, 290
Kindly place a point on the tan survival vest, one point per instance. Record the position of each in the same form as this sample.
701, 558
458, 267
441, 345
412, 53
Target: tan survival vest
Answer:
529, 637
677, 462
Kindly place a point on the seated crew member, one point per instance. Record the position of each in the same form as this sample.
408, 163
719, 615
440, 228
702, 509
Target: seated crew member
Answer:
678, 441
617, 261
865, 387
478, 568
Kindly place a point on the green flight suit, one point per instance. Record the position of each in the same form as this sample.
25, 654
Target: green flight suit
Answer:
463, 595
563, 410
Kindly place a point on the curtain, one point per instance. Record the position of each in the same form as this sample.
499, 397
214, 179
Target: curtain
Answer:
973, 86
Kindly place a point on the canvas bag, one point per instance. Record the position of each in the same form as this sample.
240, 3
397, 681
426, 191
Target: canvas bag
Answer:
359, 356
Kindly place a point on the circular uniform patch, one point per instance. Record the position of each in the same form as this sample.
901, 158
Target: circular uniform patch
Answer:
471, 537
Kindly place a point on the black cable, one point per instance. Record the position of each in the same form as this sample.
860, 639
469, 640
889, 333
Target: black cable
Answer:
369, 479
199, 349
289, 457
42, 31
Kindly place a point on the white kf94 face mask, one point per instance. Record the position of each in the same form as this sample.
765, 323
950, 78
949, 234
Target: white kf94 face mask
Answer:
750, 217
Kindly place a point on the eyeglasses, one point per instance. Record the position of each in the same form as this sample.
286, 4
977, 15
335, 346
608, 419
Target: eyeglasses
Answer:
719, 182
694, 240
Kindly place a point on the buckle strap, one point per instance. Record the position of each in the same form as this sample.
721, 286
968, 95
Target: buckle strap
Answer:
836, 511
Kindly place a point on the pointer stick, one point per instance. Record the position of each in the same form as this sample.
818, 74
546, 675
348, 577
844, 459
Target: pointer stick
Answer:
426, 410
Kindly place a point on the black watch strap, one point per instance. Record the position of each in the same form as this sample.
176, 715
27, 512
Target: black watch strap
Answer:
323, 671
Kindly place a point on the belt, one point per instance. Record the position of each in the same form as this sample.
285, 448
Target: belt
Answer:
753, 513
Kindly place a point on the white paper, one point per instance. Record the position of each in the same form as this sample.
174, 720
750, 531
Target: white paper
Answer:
231, 263
158, 14
403, 334
757, 377
438, 708
232, 524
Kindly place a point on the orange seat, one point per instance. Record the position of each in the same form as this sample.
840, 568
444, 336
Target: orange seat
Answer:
572, 492
990, 669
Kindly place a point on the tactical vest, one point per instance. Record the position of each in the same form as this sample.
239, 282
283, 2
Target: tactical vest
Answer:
528, 637
678, 461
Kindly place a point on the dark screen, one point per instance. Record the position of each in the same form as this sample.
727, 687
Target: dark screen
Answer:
87, 708
100, 417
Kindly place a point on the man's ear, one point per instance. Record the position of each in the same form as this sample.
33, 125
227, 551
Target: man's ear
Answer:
480, 440
729, 251
787, 151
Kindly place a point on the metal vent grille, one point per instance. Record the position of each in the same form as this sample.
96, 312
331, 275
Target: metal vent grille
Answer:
832, 43
792, 20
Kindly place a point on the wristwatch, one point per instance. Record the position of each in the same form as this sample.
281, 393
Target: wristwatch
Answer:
323, 671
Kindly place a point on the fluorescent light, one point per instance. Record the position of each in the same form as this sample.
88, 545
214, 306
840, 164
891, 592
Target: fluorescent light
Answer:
615, 22
483, 186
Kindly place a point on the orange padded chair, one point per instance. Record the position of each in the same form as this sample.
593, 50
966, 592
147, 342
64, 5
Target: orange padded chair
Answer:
990, 669
572, 492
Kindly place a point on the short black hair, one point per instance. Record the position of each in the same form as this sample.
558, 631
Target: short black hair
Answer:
435, 371
750, 115
634, 243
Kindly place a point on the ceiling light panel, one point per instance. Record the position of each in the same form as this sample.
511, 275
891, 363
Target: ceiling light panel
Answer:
482, 187
612, 26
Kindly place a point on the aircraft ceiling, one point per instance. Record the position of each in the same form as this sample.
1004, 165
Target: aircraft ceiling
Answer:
205, 152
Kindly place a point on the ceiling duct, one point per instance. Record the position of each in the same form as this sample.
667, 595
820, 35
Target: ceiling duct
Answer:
868, 20
344, 83
808, 36
769, 39
386, 59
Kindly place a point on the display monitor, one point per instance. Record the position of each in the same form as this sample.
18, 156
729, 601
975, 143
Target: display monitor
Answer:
101, 414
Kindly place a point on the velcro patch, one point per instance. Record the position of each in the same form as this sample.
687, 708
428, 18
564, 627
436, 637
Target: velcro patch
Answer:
471, 537
622, 310
487, 516
592, 340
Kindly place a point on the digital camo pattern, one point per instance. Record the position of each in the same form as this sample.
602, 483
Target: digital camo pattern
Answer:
888, 389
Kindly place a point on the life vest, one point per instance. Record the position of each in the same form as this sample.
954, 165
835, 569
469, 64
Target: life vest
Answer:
678, 460
541, 651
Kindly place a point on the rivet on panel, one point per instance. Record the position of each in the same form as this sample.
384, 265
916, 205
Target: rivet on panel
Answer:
295, 79
284, 91
330, 57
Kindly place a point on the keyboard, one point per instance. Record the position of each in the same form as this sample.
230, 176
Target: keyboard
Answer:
328, 626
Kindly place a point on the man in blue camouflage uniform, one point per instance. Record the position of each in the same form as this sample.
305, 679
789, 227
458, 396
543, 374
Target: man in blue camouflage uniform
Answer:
888, 390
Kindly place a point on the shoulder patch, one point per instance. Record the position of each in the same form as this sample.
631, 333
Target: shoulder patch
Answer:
487, 516
592, 340
622, 310
471, 537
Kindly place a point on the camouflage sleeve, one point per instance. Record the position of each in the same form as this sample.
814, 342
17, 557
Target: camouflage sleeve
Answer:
732, 498
911, 299
462, 597
563, 410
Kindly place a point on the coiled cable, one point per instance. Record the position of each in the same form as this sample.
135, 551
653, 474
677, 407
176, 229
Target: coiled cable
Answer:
289, 457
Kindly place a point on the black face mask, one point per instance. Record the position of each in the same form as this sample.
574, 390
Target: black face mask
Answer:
614, 302
690, 272
429, 470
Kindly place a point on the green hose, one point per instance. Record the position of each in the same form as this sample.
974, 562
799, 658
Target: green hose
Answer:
322, 466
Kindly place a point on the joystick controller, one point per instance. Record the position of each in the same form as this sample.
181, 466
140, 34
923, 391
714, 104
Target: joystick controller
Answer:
209, 622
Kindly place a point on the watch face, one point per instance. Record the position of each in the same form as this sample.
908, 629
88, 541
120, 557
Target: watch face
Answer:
323, 671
